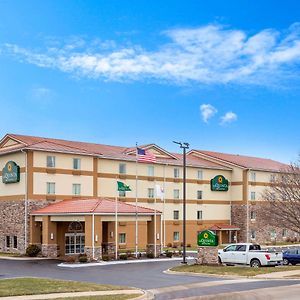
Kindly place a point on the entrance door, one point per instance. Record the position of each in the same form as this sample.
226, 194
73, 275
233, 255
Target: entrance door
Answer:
74, 243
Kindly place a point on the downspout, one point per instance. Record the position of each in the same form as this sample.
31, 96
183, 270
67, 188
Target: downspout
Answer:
93, 235
25, 202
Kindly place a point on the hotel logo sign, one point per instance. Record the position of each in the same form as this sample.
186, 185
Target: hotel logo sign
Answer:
207, 238
219, 183
11, 173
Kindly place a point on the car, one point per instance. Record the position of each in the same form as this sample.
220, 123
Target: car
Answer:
291, 256
249, 254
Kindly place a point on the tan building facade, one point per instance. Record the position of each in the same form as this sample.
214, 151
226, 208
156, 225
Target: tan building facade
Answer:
54, 170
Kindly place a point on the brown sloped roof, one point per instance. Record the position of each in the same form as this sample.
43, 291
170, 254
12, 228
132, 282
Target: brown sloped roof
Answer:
91, 206
224, 227
244, 161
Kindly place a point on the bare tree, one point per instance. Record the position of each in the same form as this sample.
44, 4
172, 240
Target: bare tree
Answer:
282, 207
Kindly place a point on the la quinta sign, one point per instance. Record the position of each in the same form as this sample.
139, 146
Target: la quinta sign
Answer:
207, 238
11, 173
219, 183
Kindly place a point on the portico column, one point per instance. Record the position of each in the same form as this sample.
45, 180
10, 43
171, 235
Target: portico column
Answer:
93, 237
49, 246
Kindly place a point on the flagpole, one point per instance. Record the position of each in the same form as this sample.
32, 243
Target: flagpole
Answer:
155, 252
116, 224
136, 203
164, 205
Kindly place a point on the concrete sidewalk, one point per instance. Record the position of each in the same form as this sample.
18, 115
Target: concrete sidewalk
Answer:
279, 275
139, 293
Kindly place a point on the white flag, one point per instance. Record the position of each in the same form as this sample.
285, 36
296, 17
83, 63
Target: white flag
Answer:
160, 193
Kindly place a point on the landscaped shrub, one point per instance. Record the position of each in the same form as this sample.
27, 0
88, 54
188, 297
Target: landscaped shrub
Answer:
169, 254
105, 257
150, 255
70, 259
82, 258
169, 245
123, 256
175, 246
189, 245
33, 250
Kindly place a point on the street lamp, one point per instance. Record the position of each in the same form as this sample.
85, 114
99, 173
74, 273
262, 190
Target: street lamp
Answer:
184, 146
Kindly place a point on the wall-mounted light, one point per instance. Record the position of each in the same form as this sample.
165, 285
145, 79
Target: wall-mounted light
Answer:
51, 236
96, 238
111, 234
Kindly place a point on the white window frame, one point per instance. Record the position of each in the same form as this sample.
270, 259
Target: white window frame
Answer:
50, 161
253, 176
150, 170
151, 193
252, 196
78, 247
176, 172
76, 163
176, 236
76, 189
199, 195
50, 186
176, 214
200, 174
252, 215
200, 215
122, 238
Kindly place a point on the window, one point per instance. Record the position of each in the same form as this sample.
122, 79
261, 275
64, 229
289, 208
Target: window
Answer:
76, 189
199, 215
199, 195
273, 234
254, 247
284, 232
176, 214
175, 236
50, 188
122, 194
176, 172
272, 178
253, 234
176, 194
241, 248
150, 193
74, 243
122, 168
76, 163
230, 248
253, 176
200, 174
252, 196
7, 241
15, 240
252, 215
50, 161
122, 238
150, 170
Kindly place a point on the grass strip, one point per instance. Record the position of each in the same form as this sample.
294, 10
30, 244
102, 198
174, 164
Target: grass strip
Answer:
35, 286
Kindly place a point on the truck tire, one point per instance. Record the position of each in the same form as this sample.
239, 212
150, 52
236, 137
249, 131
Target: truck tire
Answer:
255, 263
286, 262
219, 260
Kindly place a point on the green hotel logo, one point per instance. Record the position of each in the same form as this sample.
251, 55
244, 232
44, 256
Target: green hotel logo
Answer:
207, 238
219, 183
11, 173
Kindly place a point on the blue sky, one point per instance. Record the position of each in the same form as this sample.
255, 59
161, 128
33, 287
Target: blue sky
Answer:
221, 75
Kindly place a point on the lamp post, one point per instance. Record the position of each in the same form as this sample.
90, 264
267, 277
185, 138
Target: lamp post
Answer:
184, 146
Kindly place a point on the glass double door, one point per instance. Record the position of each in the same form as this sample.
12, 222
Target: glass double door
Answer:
74, 243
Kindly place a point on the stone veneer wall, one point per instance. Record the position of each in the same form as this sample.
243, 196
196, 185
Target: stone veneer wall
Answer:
207, 256
260, 225
12, 222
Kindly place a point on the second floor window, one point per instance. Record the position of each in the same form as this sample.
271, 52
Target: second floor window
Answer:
199, 215
122, 238
253, 176
122, 194
150, 193
76, 163
199, 195
200, 174
175, 236
50, 161
176, 172
176, 214
272, 178
253, 234
50, 188
150, 170
176, 194
76, 189
122, 168
252, 196
252, 215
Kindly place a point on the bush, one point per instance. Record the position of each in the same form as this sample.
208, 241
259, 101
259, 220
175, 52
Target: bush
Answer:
175, 246
105, 257
82, 258
150, 255
123, 256
70, 259
189, 245
169, 254
169, 245
33, 250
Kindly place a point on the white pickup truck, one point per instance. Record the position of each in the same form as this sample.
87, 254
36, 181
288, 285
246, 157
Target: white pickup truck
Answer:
248, 254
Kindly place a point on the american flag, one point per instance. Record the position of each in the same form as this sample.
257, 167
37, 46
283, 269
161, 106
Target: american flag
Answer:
145, 156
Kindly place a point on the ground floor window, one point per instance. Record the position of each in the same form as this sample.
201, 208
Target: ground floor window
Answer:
15, 242
74, 243
7, 241
253, 234
176, 236
122, 238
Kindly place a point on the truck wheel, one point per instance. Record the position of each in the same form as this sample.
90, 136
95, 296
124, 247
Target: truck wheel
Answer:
219, 260
285, 262
255, 263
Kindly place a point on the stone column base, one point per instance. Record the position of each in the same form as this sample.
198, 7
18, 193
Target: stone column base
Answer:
50, 250
97, 253
150, 249
207, 256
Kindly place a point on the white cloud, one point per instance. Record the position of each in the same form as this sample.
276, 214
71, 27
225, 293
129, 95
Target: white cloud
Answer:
41, 92
229, 117
210, 54
207, 112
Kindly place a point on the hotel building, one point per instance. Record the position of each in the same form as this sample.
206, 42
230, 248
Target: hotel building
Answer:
62, 196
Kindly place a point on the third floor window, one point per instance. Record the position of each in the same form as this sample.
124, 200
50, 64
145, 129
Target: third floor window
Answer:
176, 172
76, 163
122, 168
50, 161
150, 170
